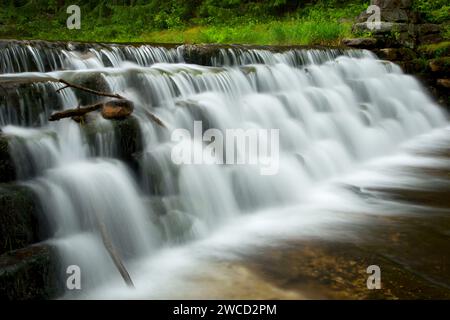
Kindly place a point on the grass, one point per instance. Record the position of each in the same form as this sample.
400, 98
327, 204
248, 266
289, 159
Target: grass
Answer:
313, 25
272, 33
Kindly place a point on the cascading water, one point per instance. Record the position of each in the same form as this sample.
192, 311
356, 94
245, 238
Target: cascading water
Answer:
334, 109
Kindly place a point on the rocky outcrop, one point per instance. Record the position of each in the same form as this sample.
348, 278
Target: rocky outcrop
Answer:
403, 38
7, 168
30, 273
365, 43
38, 96
400, 25
129, 141
18, 217
392, 11
117, 109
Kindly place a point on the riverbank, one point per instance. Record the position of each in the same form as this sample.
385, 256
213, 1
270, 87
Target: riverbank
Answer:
324, 22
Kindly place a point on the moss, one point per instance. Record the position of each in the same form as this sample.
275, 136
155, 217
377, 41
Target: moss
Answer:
18, 217
416, 66
440, 65
435, 50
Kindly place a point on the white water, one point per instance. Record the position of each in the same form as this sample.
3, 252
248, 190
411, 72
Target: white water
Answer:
334, 114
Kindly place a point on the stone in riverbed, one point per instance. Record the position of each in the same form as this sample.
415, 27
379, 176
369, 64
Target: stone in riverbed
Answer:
7, 168
18, 217
117, 109
29, 274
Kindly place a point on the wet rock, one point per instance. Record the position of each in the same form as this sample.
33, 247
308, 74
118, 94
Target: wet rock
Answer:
29, 274
445, 83
180, 226
18, 217
415, 66
396, 54
440, 65
27, 101
200, 54
129, 140
7, 168
91, 80
117, 109
360, 42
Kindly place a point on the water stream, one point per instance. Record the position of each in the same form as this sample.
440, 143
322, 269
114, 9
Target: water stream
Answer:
337, 113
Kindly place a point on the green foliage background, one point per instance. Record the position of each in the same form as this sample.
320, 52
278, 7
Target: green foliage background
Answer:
213, 21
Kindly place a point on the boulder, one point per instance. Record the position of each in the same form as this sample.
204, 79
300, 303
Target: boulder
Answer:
30, 274
397, 54
92, 80
440, 65
392, 11
430, 38
445, 83
18, 217
117, 109
7, 168
384, 27
129, 141
361, 43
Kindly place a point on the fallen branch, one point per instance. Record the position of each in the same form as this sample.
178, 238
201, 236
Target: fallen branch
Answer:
99, 93
154, 118
114, 255
77, 112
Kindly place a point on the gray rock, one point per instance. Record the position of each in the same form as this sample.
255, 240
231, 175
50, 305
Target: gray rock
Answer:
360, 42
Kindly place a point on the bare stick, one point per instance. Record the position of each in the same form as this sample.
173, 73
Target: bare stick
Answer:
114, 255
77, 112
154, 118
99, 93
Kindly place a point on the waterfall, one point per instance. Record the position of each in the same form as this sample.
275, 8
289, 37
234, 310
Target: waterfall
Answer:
335, 110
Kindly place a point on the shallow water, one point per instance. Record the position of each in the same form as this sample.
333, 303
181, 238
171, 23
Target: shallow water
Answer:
357, 139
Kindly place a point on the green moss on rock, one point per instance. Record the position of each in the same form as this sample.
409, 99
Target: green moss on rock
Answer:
18, 217
7, 169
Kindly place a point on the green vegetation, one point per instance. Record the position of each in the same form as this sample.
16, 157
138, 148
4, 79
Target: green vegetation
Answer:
190, 21
196, 21
436, 11
436, 50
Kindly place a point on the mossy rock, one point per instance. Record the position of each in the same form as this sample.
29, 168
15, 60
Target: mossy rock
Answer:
91, 80
435, 50
416, 66
18, 217
7, 168
397, 54
29, 274
440, 65
27, 102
